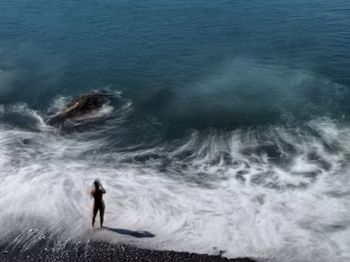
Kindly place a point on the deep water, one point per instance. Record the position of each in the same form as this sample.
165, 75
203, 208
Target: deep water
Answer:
228, 129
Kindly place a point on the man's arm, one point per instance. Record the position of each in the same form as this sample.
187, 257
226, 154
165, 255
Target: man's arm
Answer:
92, 192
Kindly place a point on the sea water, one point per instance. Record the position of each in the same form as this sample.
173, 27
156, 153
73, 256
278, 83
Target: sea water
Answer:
229, 128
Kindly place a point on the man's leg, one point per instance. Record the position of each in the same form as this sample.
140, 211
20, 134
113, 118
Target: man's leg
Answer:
94, 213
102, 213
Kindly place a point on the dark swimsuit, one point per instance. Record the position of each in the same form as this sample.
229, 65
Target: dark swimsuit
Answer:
99, 204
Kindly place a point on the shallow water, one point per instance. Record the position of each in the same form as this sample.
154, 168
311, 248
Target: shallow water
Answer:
229, 128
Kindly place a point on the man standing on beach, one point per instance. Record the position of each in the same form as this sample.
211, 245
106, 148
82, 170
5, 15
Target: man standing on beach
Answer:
97, 192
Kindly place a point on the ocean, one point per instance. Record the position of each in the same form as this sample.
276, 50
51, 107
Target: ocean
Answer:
229, 127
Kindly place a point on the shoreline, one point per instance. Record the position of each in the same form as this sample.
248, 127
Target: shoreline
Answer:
48, 250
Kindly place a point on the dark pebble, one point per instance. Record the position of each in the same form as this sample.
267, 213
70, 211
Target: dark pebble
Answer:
99, 251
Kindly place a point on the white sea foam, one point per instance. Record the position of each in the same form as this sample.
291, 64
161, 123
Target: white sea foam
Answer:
218, 191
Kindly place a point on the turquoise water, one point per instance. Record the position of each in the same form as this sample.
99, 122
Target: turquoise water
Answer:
251, 51
231, 120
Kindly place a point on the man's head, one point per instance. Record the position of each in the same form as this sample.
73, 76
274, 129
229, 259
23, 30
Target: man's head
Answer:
97, 183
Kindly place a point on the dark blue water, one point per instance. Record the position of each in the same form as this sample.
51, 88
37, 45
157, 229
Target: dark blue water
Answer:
218, 104
221, 64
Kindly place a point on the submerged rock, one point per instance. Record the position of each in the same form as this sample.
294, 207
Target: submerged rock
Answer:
83, 105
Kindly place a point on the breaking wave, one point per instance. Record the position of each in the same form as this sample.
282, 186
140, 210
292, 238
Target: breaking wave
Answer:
267, 192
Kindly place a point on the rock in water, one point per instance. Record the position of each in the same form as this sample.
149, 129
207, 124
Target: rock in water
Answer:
80, 106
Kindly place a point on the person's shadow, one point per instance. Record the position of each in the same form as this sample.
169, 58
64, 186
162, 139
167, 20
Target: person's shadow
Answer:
123, 231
